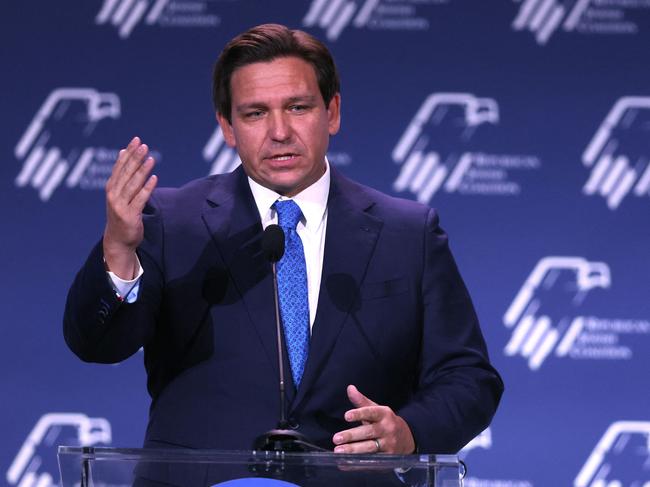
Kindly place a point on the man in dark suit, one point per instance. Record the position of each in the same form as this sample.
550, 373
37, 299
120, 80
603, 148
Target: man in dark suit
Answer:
394, 359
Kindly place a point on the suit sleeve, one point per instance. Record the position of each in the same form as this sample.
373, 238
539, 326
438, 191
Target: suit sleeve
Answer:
97, 325
457, 390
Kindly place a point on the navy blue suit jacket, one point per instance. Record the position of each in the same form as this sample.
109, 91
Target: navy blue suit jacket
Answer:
394, 318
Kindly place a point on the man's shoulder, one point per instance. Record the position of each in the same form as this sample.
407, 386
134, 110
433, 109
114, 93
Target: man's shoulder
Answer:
196, 191
381, 204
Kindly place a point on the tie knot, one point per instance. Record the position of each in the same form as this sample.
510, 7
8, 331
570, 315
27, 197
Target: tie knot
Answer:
288, 213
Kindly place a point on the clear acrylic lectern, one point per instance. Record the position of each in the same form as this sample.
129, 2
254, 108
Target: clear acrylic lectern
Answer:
117, 467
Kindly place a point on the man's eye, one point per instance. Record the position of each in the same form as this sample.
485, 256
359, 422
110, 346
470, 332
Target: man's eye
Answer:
254, 114
298, 108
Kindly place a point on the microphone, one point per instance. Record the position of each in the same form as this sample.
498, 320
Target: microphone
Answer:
282, 438
273, 244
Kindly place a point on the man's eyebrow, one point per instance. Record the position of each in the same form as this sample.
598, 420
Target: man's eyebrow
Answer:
259, 104
302, 98
250, 106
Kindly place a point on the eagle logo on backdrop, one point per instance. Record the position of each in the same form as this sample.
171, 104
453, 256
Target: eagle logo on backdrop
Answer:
621, 457
543, 18
535, 333
126, 15
49, 147
334, 16
423, 168
619, 152
65, 143
437, 150
547, 315
36, 461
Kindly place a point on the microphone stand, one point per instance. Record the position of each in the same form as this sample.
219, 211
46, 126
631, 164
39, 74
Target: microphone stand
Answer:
282, 438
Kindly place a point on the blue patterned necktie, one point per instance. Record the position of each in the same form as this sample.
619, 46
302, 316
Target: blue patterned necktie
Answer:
292, 289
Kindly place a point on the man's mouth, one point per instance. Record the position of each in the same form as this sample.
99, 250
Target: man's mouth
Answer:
282, 157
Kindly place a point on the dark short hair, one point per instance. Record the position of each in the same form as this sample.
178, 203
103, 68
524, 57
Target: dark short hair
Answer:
265, 43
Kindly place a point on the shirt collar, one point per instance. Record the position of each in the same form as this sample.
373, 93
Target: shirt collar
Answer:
312, 201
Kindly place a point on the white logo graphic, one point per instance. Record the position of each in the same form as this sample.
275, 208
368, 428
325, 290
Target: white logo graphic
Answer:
45, 162
617, 166
423, 171
31, 466
621, 457
434, 150
544, 17
126, 14
534, 336
222, 158
335, 15
545, 315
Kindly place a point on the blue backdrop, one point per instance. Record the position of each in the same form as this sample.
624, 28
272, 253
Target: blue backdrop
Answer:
526, 123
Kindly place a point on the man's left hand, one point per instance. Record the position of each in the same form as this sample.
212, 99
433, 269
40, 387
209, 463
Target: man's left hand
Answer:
381, 429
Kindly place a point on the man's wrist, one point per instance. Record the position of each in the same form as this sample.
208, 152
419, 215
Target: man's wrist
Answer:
123, 263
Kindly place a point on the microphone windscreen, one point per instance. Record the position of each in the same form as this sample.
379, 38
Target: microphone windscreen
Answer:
273, 243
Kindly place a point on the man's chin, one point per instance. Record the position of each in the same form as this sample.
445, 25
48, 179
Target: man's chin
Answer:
287, 183
288, 190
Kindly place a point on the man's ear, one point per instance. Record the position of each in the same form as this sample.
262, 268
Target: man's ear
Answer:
334, 114
226, 128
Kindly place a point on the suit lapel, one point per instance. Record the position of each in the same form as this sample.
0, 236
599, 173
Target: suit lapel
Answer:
235, 227
349, 243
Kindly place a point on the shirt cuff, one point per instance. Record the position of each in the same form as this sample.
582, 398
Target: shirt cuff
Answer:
126, 290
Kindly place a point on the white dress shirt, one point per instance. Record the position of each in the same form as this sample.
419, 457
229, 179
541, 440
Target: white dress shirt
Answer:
311, 229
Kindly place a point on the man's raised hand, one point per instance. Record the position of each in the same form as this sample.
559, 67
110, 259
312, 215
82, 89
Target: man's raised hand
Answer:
127, 191
381, 429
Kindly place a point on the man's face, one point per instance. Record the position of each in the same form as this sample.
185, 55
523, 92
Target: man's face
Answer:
280, 124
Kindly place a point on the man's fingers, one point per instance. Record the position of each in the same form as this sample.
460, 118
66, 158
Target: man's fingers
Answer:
124, 155
360, 433
127, 191
138, 180
121, 158
370, 414
358, 399
368, 446
143, 195
120, 174
357, 440
132, 164
381, 429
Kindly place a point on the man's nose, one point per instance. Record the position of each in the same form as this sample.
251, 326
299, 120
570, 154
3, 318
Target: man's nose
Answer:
279, 127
